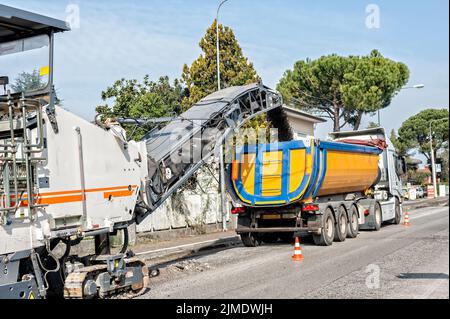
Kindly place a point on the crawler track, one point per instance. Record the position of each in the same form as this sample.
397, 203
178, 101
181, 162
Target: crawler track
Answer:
75, 282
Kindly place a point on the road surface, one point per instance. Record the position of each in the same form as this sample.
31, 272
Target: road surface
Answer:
396, 262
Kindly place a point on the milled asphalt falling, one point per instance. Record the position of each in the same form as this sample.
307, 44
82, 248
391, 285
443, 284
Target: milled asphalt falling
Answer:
396, 262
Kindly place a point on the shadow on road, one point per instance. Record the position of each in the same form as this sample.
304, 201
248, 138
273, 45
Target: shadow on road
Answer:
420, 275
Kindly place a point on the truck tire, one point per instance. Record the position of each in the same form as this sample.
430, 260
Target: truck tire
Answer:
378, 216
327, 234
353, 223
398, 216
251, 239
341, 225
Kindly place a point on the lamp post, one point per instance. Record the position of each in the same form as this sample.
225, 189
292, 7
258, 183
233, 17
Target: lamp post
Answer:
217, 43
223, 198
433, 163
417, 86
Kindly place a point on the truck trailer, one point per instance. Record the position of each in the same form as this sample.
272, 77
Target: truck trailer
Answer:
327, 188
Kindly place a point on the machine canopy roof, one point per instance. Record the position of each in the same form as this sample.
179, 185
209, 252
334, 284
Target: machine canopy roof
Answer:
18, 24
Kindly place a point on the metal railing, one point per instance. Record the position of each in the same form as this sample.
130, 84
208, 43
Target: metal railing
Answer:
20, 118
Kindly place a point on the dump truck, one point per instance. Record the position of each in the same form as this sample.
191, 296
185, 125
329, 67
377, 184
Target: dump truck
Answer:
65, 180
327, 188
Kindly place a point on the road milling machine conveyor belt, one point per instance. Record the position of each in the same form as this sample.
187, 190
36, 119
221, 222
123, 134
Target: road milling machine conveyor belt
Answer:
65, 179
179, 149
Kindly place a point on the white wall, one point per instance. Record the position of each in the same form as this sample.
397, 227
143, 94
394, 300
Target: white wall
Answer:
301, 126
188, 208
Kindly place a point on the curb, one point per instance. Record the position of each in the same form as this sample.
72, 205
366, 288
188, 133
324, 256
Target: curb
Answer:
426, 204
187, 249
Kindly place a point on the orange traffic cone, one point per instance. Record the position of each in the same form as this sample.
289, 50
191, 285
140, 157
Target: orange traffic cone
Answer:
406, 220
297, 251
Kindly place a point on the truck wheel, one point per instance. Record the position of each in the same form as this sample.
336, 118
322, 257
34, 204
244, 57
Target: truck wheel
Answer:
270, 238
353, 223
378, 216
341, 225
398, 216
327, 234
250, 239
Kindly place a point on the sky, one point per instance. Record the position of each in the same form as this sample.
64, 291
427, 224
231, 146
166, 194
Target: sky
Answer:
113, 39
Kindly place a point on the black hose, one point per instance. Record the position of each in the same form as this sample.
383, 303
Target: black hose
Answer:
125, 241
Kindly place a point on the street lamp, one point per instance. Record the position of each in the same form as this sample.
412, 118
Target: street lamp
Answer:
223, 198
433, 164
217, 43
417, 86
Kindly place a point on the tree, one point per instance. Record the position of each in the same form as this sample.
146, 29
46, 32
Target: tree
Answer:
148, 99
235, 69
417, 177
343, 88
445, 165
28, 82
415, 131
400, 147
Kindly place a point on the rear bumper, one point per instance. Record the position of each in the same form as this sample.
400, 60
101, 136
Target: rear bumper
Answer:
241, 230
313, 227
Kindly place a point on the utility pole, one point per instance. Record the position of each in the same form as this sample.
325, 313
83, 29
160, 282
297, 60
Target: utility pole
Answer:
223, 197
217, 43
433, 161
433, 164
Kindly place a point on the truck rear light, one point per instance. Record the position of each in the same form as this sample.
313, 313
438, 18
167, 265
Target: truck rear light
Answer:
237, 210
366, 212
234, 170
310, 208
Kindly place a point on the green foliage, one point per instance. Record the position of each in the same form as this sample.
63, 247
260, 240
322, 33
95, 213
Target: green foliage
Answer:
343, 88
141, 100
28, 82
235, 69
418, 178
445, 165
401, 148
252, 132
415, 131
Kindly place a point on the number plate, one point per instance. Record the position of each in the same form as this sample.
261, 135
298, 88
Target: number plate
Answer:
271, 216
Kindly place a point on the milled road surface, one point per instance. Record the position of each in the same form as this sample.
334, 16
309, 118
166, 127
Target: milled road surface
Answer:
396, 262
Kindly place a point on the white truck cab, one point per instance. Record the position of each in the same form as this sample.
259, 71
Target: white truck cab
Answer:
388, 189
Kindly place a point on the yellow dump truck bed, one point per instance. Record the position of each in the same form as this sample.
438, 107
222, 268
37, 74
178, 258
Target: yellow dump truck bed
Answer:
283, 173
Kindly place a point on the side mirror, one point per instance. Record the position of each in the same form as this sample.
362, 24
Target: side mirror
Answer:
4, 81
403, 166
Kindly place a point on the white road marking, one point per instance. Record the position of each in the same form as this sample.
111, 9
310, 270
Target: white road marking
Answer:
183, 246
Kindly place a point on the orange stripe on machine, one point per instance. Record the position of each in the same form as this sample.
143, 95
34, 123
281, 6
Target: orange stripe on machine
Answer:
108, 195
77, 196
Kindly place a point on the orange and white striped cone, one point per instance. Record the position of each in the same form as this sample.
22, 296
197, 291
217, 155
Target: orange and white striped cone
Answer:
297, 251
406, 220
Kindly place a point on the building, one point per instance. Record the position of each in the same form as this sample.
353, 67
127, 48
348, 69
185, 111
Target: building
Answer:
302, 123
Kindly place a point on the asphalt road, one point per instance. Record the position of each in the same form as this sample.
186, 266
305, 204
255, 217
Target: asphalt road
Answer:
395, 262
